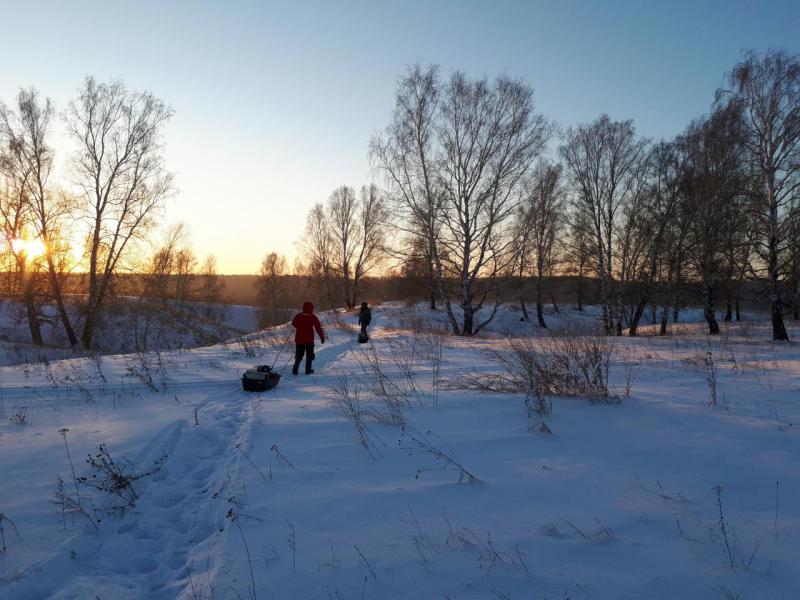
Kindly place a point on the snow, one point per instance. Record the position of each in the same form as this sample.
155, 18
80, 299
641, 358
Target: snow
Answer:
123, 329
618, 502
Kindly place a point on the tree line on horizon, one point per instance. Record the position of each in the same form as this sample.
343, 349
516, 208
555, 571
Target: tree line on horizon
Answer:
479, 196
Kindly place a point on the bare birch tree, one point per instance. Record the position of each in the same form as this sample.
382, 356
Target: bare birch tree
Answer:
30, 160
318, 246
185, 280
766, 88
372, 217
541, 220
341, 210
454, 155
579, 252
160, 277
270, 291
15, 226
711, 181
406, 155
653, 223
211, 289
118, 166
521, 266
631, 244
793, 260
603, 162
357, 230
489, 138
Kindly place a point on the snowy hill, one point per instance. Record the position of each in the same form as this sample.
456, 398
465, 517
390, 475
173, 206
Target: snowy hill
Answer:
316, 489
128, 326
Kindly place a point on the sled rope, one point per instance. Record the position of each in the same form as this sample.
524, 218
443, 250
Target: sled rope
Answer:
286, 364
280, 351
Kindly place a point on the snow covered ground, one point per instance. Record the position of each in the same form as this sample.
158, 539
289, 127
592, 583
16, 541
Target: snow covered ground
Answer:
126, 328
273, 495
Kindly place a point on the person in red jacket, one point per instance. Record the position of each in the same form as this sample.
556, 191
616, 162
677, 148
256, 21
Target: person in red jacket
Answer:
305, 323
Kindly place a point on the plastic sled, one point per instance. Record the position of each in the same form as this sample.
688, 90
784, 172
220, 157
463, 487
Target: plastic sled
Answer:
260, 379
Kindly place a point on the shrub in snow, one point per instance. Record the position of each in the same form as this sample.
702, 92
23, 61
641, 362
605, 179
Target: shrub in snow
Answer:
393, 392
141, 367
423, 444
113, 479
729, 540
569, 363
3, 520
711, 378
404, 353
282, 458
432, 348
20, 416
347, 400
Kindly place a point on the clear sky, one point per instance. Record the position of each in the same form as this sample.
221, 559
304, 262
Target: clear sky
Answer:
275, 102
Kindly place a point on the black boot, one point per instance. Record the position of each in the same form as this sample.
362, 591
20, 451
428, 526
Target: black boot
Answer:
295, 368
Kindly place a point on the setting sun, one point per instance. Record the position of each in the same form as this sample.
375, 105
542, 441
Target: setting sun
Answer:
31, 248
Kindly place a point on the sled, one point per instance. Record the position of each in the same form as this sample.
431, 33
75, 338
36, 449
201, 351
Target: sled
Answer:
363, 338
260, 379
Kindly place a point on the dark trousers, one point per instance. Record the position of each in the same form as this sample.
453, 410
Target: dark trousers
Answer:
364, 328
300, 350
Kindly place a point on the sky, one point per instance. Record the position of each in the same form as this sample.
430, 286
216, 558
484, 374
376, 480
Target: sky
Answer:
275, 102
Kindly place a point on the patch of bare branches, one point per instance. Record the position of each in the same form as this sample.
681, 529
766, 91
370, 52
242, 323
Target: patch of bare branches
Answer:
569, 363
347, 400
394, 392
432, 445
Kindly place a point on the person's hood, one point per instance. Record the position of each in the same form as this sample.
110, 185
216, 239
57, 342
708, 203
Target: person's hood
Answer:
308, 307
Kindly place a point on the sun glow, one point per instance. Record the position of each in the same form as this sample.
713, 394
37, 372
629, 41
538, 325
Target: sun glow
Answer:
77, 249
77, 254
30, 248
18, 245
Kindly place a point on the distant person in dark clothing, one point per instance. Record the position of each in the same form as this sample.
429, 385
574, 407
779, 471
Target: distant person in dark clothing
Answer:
305, 323
364, 317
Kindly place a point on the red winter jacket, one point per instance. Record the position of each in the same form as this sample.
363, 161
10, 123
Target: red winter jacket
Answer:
305, 323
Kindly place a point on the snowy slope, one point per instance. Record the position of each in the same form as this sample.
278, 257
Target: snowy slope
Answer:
125, 328
272, 496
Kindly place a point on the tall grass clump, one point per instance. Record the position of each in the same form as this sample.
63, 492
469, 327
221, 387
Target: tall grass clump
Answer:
571, 362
